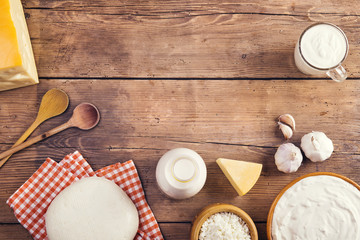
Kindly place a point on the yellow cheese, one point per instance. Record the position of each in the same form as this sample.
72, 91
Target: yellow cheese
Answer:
242, 175
17, 64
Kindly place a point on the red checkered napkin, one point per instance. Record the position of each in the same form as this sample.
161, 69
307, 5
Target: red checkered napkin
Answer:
32, 199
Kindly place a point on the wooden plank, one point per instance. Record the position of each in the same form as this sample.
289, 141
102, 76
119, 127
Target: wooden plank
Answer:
241, 113
91, 43
141, 120
178, 231
14, 232
173, 8
175, 230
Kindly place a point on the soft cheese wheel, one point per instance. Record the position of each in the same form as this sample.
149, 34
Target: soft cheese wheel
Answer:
17, 64
92, 208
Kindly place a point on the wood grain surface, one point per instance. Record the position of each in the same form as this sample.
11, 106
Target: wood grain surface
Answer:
172, 39
142, 119
211, 76
171, 230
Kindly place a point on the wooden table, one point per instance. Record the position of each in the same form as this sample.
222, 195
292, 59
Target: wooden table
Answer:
211, 76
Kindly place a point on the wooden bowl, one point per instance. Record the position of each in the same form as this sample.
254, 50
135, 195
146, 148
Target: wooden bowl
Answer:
221, 207
273, 205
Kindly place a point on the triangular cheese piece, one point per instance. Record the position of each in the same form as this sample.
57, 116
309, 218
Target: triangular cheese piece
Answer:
242, 175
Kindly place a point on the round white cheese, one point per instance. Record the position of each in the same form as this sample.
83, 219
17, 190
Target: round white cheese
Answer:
92, 208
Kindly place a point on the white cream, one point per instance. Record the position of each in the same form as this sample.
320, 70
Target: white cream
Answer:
318, 207
323, 46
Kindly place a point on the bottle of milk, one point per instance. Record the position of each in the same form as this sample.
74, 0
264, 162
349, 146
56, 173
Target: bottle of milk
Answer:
181, 173
321, 49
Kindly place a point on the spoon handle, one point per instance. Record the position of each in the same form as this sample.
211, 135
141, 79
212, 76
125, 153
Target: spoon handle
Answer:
36, 139
26, 134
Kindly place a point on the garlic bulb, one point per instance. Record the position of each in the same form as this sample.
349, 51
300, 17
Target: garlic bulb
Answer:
317, 146
288, 158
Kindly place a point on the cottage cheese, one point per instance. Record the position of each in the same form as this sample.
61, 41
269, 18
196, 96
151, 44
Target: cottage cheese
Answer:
224, 226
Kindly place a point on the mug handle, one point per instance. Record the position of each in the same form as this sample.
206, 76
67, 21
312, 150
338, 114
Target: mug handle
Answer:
337, 74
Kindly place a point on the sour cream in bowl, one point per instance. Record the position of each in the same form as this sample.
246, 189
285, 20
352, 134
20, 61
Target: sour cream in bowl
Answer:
316, 206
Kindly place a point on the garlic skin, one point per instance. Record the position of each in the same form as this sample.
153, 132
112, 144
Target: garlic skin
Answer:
287, 125
288, 120
288, 158
286, 130
317, 146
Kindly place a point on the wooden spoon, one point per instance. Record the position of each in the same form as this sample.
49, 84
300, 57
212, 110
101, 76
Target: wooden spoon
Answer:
53, 103
85, 116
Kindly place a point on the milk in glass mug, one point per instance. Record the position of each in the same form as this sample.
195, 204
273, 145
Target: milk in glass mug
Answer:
321, 49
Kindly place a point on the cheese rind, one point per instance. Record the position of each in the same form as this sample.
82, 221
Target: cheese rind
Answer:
17, 64
242, 175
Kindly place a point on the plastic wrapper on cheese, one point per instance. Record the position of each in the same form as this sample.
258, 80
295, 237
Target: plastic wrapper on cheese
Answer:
17, 64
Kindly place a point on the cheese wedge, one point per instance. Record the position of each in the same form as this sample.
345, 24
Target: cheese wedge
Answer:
17, 64
242, 175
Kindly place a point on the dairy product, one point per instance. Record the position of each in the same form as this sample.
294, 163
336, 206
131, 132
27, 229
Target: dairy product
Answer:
318, 207
242, 175
321, 47
224, 226
181, 173
92, 208
17, 64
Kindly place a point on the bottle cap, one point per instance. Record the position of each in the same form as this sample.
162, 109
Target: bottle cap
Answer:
184, 170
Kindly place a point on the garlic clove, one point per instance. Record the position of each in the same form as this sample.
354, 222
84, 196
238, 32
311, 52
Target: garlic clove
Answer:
288, 158
286, 130
317, 146
288, 120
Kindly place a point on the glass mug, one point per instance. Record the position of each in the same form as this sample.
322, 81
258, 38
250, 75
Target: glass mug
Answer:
321, 49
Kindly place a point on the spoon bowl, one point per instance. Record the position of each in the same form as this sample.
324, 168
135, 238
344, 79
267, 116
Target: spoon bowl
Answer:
85, 116
54, 102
